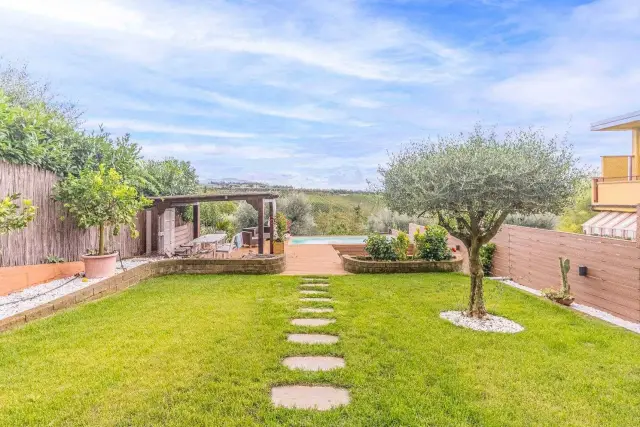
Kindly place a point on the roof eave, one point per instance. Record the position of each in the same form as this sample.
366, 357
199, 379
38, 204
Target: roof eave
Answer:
624, 122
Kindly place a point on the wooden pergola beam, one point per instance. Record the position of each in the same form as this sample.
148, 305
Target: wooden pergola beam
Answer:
254, 199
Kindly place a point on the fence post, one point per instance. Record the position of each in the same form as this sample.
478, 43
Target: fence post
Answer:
638, 226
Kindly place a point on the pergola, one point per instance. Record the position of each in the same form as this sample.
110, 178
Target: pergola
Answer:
164, 207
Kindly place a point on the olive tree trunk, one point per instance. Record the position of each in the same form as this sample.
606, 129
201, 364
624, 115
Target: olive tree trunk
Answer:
476, 296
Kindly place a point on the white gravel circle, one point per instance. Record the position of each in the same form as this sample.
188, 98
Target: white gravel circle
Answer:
489, 324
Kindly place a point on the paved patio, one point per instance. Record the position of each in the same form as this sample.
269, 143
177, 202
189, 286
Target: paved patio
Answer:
305, 259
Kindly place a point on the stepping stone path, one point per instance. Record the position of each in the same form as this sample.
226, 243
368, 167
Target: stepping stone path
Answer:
314, 292
314, 363
315, 310
321, 398
312, 338
312, 322
318, 397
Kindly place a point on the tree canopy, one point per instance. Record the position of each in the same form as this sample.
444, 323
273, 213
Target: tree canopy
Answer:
100, 198
471, 182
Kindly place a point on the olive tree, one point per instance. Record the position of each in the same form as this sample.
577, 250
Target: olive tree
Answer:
298, 210
471, 182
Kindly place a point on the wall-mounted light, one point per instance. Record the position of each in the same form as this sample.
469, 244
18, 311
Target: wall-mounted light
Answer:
582, 270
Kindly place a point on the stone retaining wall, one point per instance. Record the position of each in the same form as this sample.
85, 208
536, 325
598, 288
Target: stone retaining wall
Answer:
135, 275
354, 265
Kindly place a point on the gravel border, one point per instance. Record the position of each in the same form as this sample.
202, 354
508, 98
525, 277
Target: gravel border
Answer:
489, 324
34, 296
602, 315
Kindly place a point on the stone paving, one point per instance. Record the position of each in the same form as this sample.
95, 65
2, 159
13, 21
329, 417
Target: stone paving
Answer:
312, 322
313, 397
311, 292
315, 310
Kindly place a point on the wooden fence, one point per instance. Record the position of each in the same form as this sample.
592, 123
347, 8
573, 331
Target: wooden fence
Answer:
47, 234
530, 257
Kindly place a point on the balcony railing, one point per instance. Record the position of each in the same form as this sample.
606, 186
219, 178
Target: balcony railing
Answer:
616, 191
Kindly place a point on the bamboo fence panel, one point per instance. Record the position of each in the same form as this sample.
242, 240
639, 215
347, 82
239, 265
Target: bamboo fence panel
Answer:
48, 234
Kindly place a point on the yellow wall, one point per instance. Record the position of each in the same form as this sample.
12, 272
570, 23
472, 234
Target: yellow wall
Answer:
618, 194
615, 167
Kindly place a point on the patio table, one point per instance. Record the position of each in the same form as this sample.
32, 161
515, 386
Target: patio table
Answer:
210, 240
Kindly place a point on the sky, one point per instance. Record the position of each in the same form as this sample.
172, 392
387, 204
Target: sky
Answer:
316, 93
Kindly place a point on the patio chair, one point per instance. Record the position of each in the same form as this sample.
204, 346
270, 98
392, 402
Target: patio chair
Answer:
227, 248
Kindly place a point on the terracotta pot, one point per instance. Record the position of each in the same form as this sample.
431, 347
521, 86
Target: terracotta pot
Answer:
96, 266
278, 248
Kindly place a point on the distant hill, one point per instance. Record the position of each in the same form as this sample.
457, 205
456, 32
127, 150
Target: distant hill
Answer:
239, 186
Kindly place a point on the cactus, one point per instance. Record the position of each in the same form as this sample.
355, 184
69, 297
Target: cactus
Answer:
565, 265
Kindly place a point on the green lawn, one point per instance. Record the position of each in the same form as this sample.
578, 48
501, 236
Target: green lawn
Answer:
205, 350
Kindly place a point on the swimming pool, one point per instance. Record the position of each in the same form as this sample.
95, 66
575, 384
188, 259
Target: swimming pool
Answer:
327, 240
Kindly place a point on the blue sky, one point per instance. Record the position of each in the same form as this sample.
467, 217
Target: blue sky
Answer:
313, 93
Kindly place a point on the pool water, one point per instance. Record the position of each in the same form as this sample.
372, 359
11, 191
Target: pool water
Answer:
327, 240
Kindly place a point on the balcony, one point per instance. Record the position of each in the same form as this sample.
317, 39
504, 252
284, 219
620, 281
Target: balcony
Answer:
616, 193
618, 168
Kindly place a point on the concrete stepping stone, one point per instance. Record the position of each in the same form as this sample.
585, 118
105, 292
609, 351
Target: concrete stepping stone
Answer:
312, 339
313, 363
314, 285
312, 322
316, 299
321, 398
310, 292
315, 310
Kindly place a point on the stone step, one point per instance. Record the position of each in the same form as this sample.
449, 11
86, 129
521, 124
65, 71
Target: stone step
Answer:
314, 285
321, 398
313, 363
315, 310
310, 292
316, 299
312, 322
312, 338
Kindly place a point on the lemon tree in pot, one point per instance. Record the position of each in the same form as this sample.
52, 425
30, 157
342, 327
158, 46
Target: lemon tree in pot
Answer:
100, 198
281, 231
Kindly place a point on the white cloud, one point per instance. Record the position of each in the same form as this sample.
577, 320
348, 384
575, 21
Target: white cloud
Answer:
155, 127
191, 150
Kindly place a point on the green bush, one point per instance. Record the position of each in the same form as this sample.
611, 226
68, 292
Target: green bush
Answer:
486, 257
15, 215
380, 248
401, 245
432, 245
281, 227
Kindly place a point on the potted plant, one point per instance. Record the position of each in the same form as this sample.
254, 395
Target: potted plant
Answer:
100, 198
281, 231
563, 296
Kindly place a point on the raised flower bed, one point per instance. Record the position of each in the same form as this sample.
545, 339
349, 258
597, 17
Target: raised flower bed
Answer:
356, 265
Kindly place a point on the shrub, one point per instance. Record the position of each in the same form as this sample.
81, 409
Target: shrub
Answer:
380, 248
14, 217
281, 226
401, 245
432, 245
486, 257
53, 259
297, 208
